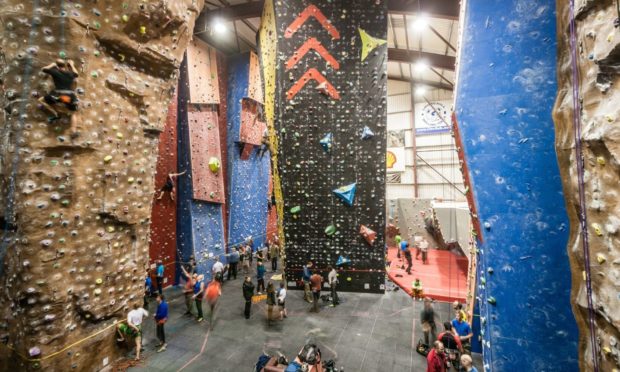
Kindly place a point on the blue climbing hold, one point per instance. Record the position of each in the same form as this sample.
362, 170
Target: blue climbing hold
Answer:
367, 133
346, 193
342, 261
326, 142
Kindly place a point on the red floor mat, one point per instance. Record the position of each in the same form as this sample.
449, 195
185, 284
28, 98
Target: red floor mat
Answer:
444, 277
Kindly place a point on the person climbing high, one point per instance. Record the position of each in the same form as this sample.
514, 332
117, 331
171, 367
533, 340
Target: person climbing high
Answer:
169, 187
63, 96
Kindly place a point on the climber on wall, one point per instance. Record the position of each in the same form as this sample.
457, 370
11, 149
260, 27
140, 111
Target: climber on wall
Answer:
169, 186
63, 97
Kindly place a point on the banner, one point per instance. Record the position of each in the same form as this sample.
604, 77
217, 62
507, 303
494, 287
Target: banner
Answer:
433, 117
395, 159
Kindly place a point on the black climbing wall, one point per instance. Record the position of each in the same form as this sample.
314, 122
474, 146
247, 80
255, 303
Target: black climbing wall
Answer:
355, 99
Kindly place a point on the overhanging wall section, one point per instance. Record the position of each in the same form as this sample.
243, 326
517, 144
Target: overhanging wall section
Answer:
504, 117
331, 79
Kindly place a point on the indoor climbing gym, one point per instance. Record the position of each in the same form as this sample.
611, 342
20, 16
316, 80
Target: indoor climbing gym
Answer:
309, 185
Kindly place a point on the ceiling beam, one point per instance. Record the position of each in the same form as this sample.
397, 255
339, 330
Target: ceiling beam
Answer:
446, 9
412, 56
432, 84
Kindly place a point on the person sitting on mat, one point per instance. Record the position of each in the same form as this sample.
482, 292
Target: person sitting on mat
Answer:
169, 185
417, 292
62, 97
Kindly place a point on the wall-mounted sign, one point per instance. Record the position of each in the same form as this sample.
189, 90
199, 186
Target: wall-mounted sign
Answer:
432, 117
395, 159
393, 178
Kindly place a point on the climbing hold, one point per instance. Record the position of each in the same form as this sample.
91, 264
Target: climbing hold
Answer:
296, 209
142, 30
214, 164
346, 193
492, 300
34, 351
597, 229
125, 18
368, 234
326, 142
487, 226
130, 179
601, 258
367, 133
107, 158
369, 43
99, 281
330, 230
490, 270
607, 350
342, 261
600, 160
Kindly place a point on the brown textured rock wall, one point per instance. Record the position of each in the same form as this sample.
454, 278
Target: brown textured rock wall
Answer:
76, 210
599, 65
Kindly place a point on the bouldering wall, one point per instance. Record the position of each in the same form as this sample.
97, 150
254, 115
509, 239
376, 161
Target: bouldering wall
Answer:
248, 158
200, 221
77, 208
504, 118
330, 116
588, 86
163, 242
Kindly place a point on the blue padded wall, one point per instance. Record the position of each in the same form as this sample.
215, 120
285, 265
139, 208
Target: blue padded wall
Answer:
248, 179
506, 89
199, 224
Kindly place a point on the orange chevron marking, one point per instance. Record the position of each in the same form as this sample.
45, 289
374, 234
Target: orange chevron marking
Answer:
313, 74
312, 44
311, 11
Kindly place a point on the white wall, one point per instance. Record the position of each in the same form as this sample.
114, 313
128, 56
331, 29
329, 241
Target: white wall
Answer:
436, 149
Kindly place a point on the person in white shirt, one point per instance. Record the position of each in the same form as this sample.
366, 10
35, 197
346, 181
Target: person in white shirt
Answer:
281, 301
133, 327
218, 270
424, 249
332, 279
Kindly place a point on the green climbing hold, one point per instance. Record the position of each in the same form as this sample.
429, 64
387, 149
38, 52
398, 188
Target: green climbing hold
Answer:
54, 163
492, 300
483, 280
65, 202
94, 74
62, 54
330, 230
296, 209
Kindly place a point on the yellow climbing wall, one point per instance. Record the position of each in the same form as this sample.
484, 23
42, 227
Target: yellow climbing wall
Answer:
74, 211
267, 45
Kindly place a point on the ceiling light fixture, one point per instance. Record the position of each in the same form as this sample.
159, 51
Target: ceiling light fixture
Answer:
218, 26
420, 90
420, 22
420, 66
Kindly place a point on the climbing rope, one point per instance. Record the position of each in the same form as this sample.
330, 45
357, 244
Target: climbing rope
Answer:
583, 217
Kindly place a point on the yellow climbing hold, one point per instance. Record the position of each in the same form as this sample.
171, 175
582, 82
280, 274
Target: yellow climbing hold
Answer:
609, 118
107, 158
143, 30
111, 229
369, 43
119, 135
601, 258
97, 291
583, 273
600, 160
597, 229
607, 350
130, 179
99, 281
125, 18
610, 37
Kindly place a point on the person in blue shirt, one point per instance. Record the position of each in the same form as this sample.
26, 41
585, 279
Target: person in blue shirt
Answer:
160, 276
462, 328
307, 273
161, 315
148, 289
260, 277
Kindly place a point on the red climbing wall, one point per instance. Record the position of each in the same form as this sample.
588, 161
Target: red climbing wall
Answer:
163, 242
202, 73
204, 141
252, 124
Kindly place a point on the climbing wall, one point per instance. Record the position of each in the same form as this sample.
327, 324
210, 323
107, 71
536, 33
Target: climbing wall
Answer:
249, 170
77, 209
591, 187
329, 115
163, 242
504, 118
200, 222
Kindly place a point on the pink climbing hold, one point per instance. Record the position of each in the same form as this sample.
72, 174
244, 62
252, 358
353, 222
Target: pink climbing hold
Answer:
368, 234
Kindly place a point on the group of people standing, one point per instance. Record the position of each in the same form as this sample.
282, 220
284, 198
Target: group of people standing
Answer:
452, 347
421, 248
313, 282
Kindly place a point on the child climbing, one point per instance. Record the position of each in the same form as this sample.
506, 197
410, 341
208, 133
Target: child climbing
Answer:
169, 186
63, 97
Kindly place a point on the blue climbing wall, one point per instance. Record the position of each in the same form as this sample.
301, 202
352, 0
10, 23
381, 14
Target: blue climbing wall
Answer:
249, 178
200, 225
506, 89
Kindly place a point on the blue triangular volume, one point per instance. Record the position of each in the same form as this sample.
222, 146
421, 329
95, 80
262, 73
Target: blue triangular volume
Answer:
342, 261
346, 193
367, 133
326, 142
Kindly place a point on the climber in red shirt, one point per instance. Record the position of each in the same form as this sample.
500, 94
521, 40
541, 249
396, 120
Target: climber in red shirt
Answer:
436, 358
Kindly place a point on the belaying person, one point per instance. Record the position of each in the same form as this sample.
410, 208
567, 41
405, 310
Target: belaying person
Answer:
199, 291
332, 279
188, 289
161, 316
63, 96
233, 261
159, 277
307, 273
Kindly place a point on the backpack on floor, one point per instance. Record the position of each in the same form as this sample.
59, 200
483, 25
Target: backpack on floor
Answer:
422, 348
